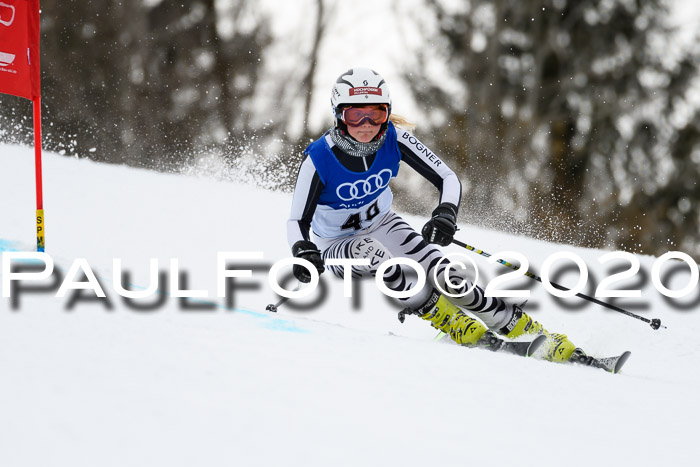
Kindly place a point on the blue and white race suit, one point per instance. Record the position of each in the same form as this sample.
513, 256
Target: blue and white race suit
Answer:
352, 201
346, 201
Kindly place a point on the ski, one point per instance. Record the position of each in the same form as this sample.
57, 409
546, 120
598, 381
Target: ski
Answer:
494, 343
489, 341
609, 364
524, 349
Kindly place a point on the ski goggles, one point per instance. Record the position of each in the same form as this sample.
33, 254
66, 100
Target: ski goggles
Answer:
356, 116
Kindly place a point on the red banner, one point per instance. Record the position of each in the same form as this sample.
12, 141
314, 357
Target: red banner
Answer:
19, 48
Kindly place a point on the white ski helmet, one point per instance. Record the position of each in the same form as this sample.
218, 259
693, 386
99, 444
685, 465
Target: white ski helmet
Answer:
359, 86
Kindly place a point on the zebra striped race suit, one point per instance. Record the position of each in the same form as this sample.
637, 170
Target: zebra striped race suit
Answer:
346, 202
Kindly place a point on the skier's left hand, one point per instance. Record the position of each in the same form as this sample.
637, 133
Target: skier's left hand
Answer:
441, 228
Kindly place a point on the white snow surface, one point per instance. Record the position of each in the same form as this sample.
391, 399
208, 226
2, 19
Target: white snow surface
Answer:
86, 383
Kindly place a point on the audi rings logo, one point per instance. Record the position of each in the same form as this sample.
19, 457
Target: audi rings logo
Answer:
363, 188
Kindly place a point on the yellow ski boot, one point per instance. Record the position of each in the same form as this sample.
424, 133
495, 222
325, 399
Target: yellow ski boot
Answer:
448, 318
558, 348
464, 330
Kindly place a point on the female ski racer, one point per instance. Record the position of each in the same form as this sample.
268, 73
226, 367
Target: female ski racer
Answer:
342, 195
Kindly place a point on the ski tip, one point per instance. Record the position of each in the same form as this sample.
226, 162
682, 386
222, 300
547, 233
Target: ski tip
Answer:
536, 344
621, 361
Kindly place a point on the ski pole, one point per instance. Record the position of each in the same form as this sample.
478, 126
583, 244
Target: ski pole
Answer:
654, 323
273, 307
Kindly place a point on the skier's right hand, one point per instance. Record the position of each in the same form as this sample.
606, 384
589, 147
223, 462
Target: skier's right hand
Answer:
309, 251
441, 228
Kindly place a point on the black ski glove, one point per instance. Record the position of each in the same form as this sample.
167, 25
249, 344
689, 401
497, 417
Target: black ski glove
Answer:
309, 251
442, 226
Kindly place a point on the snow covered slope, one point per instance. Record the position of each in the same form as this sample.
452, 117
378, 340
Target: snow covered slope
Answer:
87, 382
